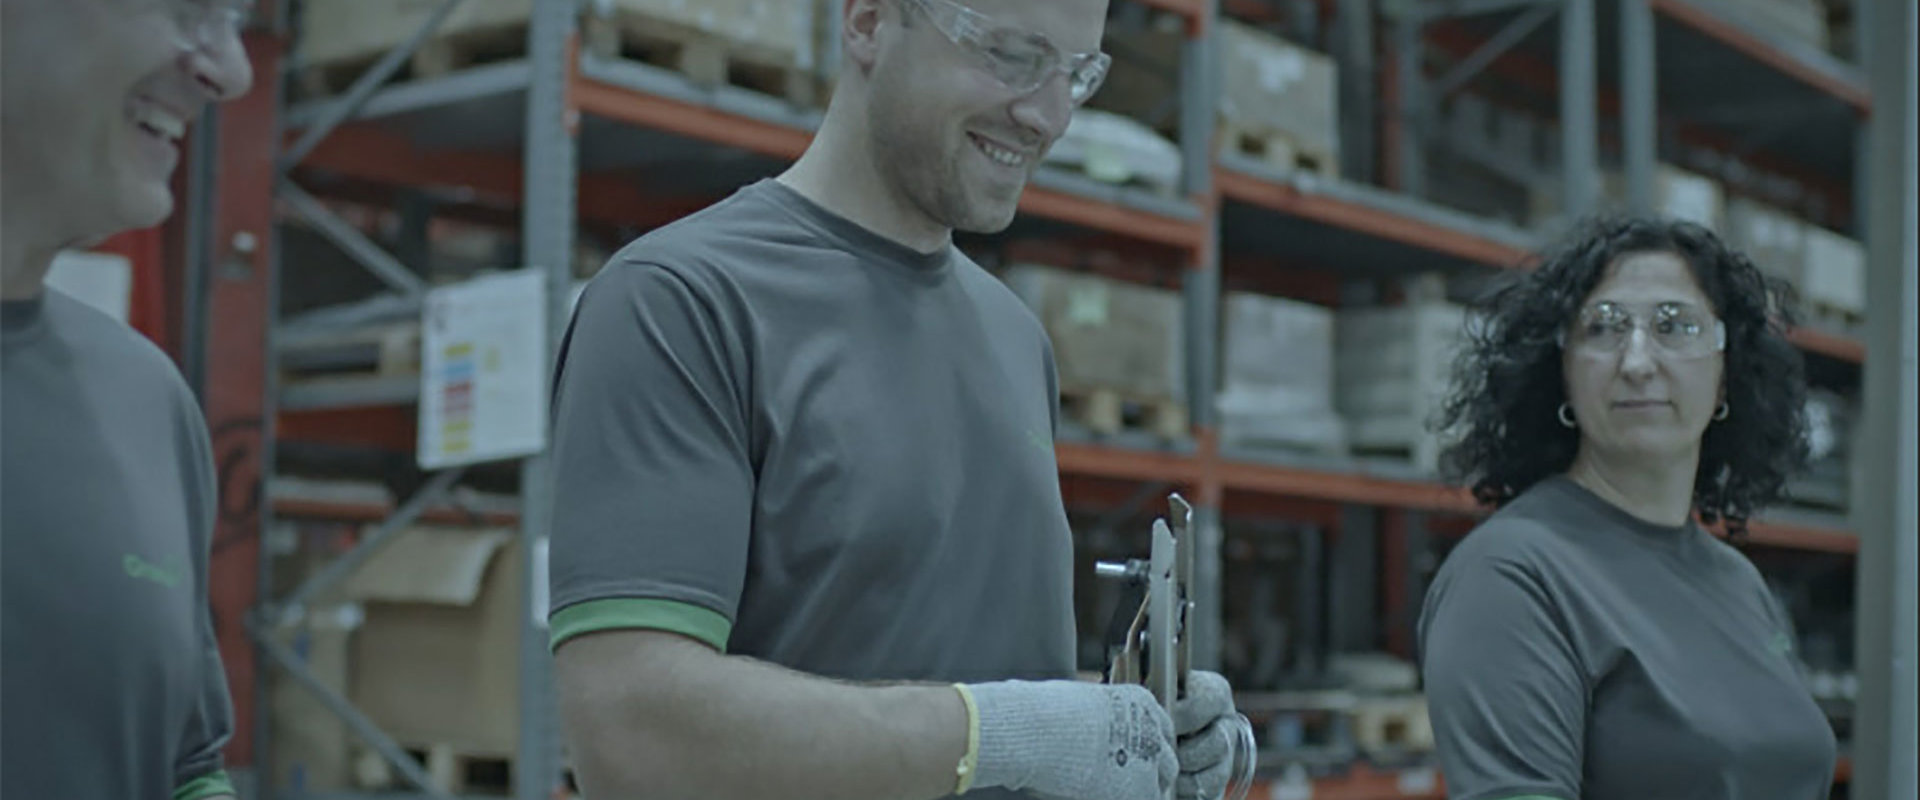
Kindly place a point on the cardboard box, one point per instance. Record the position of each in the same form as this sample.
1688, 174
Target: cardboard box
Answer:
1267, 84
1107, 334
1774, 240
437, 659
312, 747
1394, 369
1277, 381
1836, 273
1677, 193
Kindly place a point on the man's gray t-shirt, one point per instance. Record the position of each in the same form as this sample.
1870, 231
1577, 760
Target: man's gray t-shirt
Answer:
113, 685
791, 438
1571, 650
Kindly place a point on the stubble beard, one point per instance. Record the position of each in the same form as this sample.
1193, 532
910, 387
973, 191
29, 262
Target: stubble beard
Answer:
923, 167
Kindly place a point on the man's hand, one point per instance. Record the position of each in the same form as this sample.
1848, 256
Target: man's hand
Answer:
1201, 721
1074, 741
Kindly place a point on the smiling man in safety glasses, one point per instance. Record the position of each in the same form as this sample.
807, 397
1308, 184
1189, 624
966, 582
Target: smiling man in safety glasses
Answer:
808, 539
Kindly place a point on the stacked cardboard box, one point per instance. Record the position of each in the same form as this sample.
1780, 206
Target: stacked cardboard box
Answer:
1677, 193
1277, 384
1108, 335
1836, 276
1394, 368
352, 31
1272, 92
1828, 269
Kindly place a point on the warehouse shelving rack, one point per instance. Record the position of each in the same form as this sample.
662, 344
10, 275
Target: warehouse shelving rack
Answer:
551, 132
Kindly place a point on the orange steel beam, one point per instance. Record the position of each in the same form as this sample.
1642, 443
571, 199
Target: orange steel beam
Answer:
1827, 344
1802, 537
365, 152
1344, 487
688, 119
389, 428
1097, 461
1187, 235
1732, 36
1255, 505
1288, 200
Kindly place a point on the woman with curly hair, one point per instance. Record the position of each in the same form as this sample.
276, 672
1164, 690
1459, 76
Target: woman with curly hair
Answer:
1590, 639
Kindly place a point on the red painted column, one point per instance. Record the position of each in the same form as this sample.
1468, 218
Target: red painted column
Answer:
145, 251
238, 298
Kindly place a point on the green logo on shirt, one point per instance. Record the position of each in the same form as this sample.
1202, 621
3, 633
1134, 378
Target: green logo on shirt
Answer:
1045, 444
138, 567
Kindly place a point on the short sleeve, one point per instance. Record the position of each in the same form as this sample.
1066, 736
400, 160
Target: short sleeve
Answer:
653, 482
199, 765
1506, 692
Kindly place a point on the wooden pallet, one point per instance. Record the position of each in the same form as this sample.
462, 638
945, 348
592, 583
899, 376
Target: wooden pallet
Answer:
1392, 726
450, 768
1107, 412
371, 351
1278, 149
437, 56
707, 59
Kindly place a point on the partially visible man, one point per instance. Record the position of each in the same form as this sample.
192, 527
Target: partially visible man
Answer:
109, 676
808, 539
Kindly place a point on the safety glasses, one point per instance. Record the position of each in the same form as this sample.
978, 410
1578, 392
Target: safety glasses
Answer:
1678, 329
1020, 60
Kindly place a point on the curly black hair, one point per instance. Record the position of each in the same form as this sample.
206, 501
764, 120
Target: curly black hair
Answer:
1508, 386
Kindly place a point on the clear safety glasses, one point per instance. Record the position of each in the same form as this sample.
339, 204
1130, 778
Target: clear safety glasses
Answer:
1020, 60
1677, 329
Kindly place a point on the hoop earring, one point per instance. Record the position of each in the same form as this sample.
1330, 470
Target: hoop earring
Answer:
1722, 412
1566, 416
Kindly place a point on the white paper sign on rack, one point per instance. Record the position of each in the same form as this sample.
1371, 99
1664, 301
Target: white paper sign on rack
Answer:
483, 372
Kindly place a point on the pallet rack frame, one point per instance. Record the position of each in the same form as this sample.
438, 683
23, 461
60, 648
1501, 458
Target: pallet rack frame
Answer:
559, 86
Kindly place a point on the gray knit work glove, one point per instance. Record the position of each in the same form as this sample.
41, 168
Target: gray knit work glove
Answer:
1072, 740
1201, 719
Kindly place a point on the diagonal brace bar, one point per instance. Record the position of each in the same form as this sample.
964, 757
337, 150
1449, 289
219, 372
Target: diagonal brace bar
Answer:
343, 708
1510, 35
294, 605
1454, 9
363, 88
372, 256
1132, 505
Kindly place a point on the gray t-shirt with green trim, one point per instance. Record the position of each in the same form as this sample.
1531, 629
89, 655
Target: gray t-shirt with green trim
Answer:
112, 681
781, 433
1571, 650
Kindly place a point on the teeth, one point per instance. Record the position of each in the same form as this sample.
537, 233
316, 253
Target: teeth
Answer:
166, 124
998, 154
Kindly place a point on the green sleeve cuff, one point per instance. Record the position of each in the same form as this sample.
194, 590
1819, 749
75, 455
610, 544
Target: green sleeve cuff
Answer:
617, 613
214, 784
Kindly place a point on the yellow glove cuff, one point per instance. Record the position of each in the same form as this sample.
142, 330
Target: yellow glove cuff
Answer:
971, 761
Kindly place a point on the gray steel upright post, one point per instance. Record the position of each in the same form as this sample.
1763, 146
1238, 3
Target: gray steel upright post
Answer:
1353, 44
548, 221
1409, 85
1883, 500
1200, 285
1579, 132
1638, 102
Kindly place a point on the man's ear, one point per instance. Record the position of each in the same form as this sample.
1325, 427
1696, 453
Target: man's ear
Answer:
860, 25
